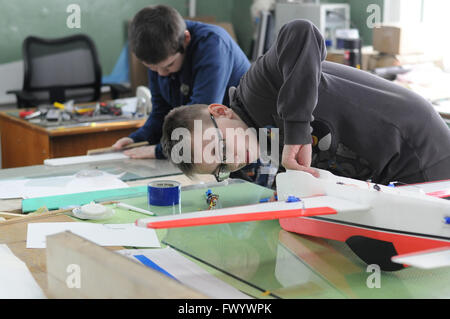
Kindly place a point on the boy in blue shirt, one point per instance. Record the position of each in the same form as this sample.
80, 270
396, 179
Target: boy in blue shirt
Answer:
189, 63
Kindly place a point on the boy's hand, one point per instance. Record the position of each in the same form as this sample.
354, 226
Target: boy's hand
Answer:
124, 141
142, 152
298, 157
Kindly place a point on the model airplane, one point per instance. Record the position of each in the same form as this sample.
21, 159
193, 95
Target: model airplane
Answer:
383, 225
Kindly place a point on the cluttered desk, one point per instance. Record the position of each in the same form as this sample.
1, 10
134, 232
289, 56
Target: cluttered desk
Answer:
61, 130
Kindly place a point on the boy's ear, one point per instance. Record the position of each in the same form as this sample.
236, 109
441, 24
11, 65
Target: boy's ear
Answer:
187, 38
219, 110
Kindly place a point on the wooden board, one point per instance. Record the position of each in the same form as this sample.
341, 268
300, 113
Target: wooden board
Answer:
111, 149
100, 273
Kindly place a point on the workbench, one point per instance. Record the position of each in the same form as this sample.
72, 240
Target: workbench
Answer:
259, 258
134, 172
14, 232
26, 143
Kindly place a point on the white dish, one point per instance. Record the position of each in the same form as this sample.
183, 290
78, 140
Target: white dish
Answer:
93, 211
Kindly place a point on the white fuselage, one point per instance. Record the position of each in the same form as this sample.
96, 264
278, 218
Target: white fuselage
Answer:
381, 207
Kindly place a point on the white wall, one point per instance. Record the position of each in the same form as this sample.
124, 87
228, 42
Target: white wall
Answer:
11, 78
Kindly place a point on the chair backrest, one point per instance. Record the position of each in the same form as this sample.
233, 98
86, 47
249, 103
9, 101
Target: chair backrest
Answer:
57, 70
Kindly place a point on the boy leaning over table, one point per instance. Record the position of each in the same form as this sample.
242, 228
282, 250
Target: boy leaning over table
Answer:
328, 116
189, 62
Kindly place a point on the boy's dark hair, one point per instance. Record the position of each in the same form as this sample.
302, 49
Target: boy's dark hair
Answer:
156, 33
181, 117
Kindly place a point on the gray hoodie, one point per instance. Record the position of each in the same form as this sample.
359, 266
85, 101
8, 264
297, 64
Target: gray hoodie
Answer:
360, 125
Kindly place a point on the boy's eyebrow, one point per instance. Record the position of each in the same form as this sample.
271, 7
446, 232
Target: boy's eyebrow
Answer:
166, 66
169, 64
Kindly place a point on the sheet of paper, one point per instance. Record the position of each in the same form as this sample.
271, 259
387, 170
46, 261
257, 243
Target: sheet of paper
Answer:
16, 281
101, 234
85, 159
12, 188
129, 105
187, 272
59, 185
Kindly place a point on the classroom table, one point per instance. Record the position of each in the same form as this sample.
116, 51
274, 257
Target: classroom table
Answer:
259, 258
25, 143
280, 264
132, 171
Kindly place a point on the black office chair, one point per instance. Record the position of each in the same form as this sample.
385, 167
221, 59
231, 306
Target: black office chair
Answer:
58, 70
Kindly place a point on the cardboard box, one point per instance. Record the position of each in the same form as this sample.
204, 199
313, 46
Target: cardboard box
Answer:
399, 40
338, 56
385, 60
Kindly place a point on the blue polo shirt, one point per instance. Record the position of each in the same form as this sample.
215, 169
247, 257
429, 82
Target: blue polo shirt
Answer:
213, 62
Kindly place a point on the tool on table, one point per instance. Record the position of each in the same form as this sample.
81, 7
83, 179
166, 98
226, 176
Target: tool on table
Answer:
59, 105
53, 115
211, 199
134, 209
28, 115
84, 109
24, 114
110, 149
38, 215
110, 108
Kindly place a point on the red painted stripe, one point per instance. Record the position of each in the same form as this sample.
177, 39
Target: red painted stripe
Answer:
237, 218
440, 194
318, 228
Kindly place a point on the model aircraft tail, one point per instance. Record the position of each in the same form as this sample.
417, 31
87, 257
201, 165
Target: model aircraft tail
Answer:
264, 211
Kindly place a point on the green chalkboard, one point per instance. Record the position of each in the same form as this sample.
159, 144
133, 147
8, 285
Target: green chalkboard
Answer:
103, 20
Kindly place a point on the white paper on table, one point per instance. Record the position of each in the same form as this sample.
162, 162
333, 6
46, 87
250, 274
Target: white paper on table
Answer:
16, 281
12, 188
60, 185
100, 234
84, 159
187, 272
129, 105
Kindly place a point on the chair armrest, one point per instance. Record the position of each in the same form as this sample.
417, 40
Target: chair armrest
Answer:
117, 89
24, 98
21, 94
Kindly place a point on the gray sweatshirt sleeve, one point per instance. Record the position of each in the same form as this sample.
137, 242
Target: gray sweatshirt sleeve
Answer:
300, 51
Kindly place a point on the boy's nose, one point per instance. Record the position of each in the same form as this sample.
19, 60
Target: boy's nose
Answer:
163, 73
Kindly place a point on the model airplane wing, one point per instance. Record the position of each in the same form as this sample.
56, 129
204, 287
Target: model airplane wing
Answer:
439, 189
427, 259
320, 205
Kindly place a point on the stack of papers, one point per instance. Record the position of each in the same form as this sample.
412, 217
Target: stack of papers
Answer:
85, 159
100, 234
60, 185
